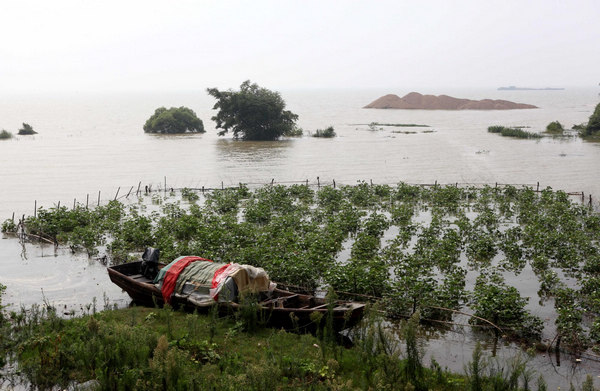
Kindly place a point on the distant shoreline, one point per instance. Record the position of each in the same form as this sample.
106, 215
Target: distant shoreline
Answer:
514, 88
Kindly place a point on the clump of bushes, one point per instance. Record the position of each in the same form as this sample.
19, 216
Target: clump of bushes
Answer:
512, 132
554, 127
496, 128
26, 130
325, 133
174, 120
5, 135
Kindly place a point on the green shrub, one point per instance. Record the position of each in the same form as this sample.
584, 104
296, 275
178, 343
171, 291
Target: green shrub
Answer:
512, 132
8, 225
325, 133
26, 130
496, 129
5, 135
554, 127
173, 120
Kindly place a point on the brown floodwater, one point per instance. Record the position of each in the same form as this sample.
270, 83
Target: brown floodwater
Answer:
91, 147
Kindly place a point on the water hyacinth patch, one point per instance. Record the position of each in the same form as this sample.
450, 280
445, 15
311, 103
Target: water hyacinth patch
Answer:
415, 247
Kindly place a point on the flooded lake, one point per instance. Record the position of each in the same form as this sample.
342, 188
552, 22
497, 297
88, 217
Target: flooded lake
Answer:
92, 147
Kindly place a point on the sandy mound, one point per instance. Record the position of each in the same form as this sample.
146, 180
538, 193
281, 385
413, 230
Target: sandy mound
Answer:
414, 100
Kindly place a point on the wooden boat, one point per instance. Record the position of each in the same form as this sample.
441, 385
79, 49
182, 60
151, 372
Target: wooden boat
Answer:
280, 308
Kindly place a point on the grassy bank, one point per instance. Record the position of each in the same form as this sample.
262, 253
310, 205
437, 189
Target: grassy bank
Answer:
162, 349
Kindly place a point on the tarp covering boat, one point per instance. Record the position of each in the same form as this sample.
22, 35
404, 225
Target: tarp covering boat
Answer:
203, 281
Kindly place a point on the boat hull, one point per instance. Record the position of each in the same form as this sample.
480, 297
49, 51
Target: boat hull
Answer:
285, 309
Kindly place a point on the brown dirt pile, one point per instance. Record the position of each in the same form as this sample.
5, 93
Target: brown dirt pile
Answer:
417, 101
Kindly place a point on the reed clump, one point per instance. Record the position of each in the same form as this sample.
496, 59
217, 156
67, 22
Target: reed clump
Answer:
328, 132
5, 135
513, 132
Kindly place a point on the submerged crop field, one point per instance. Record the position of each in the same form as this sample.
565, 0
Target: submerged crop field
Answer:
441, 250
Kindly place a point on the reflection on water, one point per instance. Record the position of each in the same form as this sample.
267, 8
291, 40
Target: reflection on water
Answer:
251, 152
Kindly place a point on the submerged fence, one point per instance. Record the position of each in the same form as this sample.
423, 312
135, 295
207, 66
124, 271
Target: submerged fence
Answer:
164, 187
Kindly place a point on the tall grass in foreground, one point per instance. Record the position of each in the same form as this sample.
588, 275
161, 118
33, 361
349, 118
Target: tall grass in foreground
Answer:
512, 132
162, 349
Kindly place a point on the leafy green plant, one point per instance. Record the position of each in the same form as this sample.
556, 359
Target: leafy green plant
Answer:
5, 135
328, 132
26, 130
502, 305
512, 132
8, 225
554, 127
174, 120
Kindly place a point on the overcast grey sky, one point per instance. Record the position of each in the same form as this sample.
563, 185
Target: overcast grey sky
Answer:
170, 45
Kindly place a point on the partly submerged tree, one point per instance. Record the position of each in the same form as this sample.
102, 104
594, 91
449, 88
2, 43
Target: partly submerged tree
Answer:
593, 126
252, 113
174, 120
26, 130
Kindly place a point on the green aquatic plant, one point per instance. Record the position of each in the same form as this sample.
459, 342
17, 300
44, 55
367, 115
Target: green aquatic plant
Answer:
554, 127
415, 247
5, 135
8, 226
512, 132
26, 130
501, 304
328, 132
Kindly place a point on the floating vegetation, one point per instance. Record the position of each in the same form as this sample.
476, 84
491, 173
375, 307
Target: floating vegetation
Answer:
400, 125
5, 135
328, 132
409, 246
516, 132
26, 130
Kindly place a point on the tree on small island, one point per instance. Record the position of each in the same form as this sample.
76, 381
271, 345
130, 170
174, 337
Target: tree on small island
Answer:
26, 130
593, 126
174, 120
252, 113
